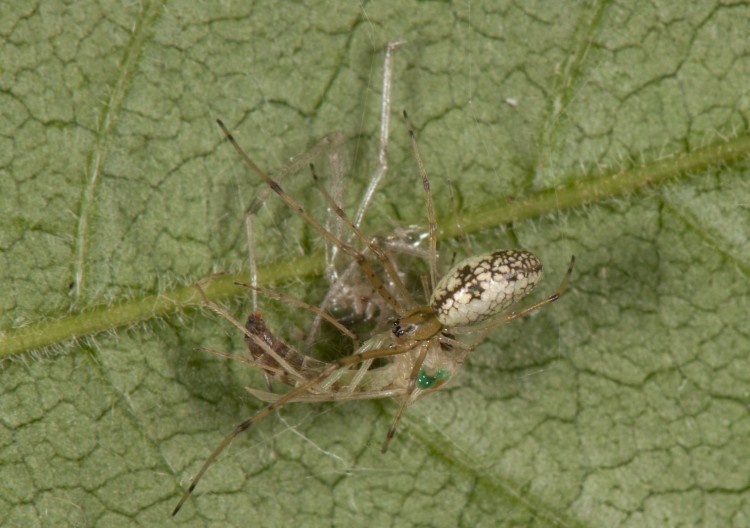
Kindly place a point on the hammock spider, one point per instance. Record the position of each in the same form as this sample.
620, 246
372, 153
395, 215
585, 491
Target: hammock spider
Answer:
421, 349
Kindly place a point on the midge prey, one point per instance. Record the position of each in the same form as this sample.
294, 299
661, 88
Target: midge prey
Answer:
422, 350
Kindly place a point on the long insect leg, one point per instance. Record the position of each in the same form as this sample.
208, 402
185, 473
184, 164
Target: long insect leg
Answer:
371, 245
339, 281
385, 120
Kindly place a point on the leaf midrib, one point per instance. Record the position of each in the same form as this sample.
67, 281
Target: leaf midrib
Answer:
593, 189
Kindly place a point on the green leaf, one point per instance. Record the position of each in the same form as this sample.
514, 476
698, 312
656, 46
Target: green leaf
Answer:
615, 132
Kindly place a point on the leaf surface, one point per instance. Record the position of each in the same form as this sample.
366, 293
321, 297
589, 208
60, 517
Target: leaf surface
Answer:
613, 131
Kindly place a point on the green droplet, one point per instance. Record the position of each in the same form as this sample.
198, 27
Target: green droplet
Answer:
425, 381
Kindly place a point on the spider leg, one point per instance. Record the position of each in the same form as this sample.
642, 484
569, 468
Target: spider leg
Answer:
346, 248
353, 359
330, 143
552, 298
424, 346
457, 220
337, 177
390, 268
333, 231
428, 199
329, 397
485, 327
309, 307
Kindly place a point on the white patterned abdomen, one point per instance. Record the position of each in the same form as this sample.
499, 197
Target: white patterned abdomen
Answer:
481, 287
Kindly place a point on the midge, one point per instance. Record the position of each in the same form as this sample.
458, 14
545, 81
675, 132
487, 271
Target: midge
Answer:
425, 345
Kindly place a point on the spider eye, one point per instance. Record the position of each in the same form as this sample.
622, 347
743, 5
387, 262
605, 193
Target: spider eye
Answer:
399, 330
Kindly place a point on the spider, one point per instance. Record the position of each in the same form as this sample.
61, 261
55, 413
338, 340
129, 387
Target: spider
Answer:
422, 349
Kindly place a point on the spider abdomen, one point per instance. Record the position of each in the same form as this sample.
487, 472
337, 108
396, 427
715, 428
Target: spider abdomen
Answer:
481, 287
